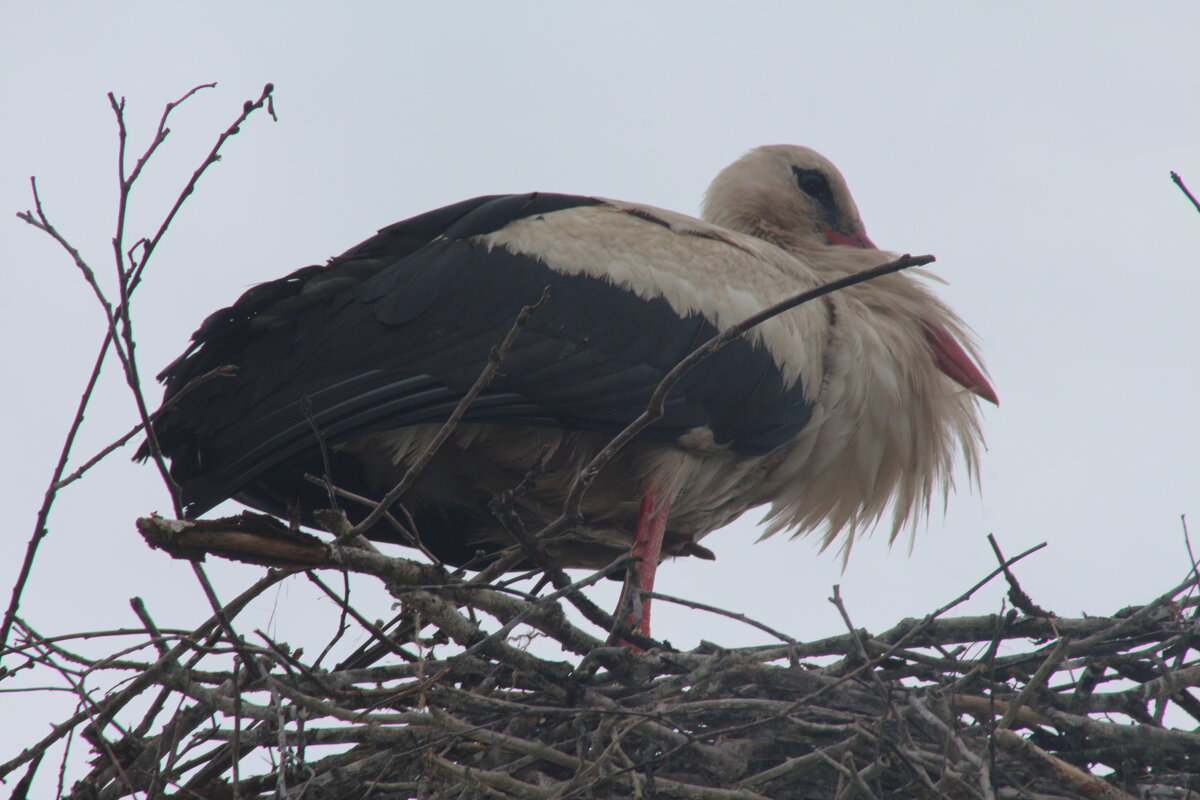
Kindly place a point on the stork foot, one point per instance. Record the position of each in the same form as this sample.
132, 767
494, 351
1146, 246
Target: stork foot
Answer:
646, 550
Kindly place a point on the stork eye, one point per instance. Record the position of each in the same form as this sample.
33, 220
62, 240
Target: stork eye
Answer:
814, 184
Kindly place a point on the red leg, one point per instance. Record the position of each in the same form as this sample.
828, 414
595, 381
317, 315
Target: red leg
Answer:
647, 546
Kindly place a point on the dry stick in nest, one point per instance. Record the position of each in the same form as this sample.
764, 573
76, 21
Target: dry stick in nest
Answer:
1016, 594
521, 617
107, 708
503, 507
851, 642
406, 529
1034, 684
1086, 784
734, 615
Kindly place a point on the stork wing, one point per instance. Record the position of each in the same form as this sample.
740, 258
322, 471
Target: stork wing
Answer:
394, 332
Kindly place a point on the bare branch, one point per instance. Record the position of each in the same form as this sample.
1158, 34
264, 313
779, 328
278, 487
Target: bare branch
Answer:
127, 283
1183, 188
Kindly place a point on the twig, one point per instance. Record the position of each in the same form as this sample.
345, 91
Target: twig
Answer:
265, 100
128, 282
40, 526
502, 507
485, 377
376, 632
824, 690
407, 529
965, 596
1034, 684
219, 372
1187, 543
1085, 784
681, 601
1183, 188
1015, 593
139, 608
343, 619
326, 465
110, 705
980, 766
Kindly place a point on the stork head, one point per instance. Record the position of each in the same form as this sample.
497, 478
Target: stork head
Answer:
796, 199
791, 196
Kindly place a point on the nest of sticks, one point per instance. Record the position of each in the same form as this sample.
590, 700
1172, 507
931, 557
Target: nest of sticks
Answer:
451, 701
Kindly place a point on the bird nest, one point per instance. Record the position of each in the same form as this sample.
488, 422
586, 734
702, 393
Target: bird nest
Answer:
453, 700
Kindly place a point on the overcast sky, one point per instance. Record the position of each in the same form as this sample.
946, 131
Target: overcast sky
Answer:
1026, 145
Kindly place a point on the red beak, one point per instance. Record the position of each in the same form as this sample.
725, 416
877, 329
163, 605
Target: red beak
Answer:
951, 359
850, 240
947, 352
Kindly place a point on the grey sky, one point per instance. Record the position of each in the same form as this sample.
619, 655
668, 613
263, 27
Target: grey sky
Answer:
1026, 145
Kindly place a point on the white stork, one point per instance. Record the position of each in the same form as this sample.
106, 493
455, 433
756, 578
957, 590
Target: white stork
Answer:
830, 413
